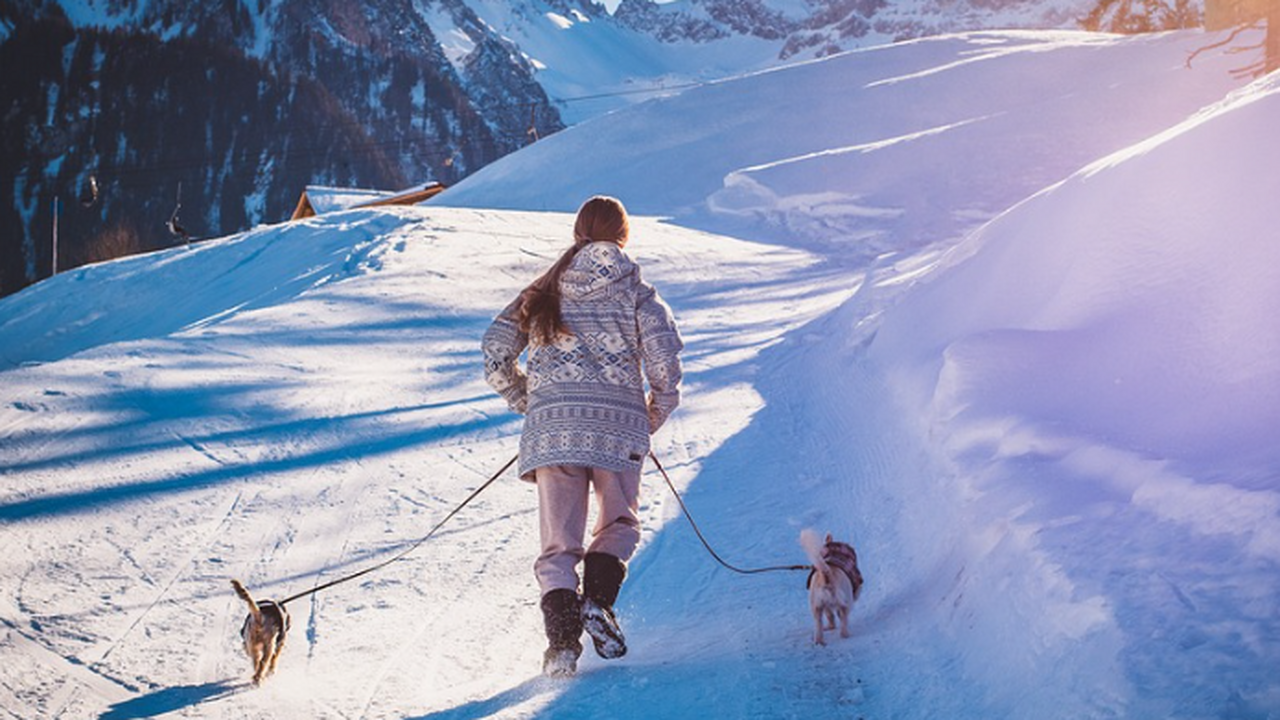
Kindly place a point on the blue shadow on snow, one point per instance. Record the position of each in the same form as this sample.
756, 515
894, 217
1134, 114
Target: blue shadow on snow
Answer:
169, 700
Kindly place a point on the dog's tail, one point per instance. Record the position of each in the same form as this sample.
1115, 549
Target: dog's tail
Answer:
254, 610
812, 545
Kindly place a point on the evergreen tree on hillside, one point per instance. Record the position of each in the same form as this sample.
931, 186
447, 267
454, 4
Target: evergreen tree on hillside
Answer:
138, 117
1141, 16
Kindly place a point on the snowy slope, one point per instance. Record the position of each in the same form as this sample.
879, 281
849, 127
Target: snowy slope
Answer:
592, 65
906, 309
863, 152
592, 62
288, 404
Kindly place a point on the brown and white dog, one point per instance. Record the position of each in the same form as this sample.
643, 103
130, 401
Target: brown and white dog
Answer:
834, 584
263, 632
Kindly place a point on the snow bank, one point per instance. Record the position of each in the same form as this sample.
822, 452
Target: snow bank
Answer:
1134, 303
1101, 367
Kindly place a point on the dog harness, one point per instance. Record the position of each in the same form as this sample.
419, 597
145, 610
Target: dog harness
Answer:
842, 557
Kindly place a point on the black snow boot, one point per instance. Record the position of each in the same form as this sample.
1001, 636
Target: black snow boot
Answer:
601, 580
562, 616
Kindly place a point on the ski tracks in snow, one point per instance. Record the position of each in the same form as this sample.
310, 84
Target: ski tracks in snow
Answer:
98, 659
70, 679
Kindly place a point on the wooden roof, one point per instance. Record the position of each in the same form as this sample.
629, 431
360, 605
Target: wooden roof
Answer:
318, 199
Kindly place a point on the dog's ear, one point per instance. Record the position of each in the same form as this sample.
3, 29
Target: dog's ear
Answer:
828, 537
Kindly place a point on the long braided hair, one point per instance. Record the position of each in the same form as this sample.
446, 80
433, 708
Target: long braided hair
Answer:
600, 219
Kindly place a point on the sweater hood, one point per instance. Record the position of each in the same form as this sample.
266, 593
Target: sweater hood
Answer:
596, 269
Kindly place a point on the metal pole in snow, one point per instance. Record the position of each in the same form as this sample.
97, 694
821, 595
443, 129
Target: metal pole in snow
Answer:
55, 236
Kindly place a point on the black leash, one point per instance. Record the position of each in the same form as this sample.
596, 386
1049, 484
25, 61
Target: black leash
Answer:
705, 544
408, 550
475, 493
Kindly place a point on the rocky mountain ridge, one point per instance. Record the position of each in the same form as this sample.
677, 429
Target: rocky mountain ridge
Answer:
816, 28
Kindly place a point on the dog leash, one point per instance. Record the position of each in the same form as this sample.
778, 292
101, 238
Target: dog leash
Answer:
475, 493
705, 544
411, 548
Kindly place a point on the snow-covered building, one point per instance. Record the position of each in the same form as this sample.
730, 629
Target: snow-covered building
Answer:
320, 199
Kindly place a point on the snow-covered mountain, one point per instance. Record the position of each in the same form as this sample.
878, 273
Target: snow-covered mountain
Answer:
643, 47
809, 28
1000, 312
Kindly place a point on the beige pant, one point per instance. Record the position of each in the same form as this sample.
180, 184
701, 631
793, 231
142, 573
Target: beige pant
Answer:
562, 510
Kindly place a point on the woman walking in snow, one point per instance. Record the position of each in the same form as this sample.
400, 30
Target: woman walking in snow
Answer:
595, 333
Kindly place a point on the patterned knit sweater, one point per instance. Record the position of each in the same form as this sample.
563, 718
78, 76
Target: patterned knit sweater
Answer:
583, 397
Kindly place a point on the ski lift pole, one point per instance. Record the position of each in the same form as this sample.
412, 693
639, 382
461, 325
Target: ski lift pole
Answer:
56, 202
